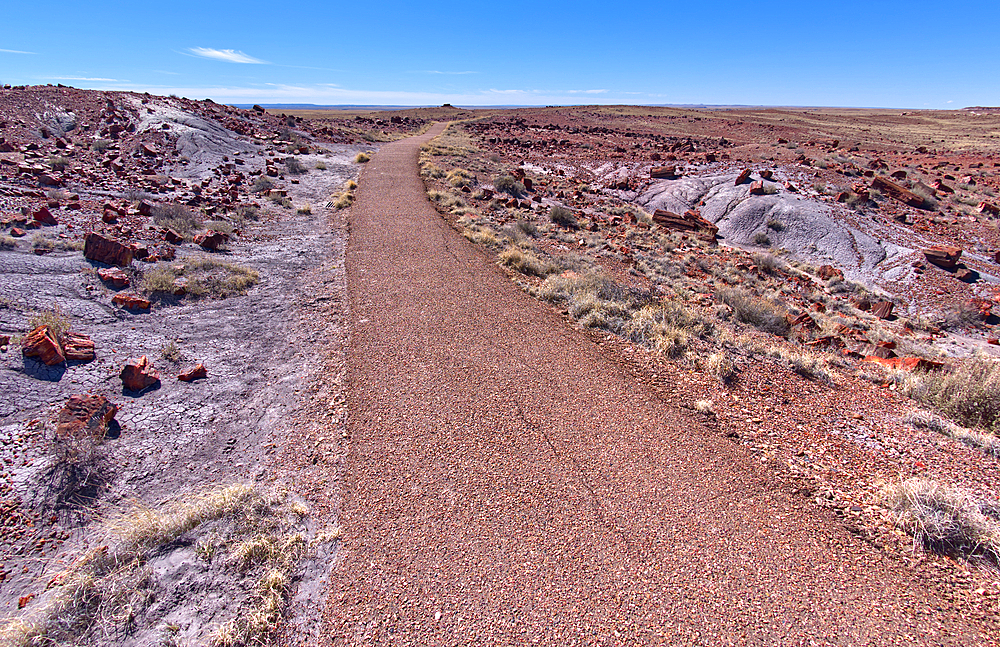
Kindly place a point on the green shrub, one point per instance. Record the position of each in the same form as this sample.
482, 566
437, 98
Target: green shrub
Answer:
507, 184
262, 184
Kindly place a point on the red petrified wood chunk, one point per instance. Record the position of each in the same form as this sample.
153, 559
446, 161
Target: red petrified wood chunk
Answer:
42, 344
140, 375
86, 414
198, 372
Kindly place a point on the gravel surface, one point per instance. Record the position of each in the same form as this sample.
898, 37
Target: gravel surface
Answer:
507, 482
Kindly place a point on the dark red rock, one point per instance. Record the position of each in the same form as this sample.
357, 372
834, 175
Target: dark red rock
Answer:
4, 340
44, 216
140, 375
105, 250
130, 301
109, 216
897, 192
663, 172
898, 175
42, 344
965, 274
140, 251
211, 240
172, 237
742, 177
145, 208
906, 363
17, 232
690, 221
942, 187
78, 347
197, 373
827, 272
757, 188
85, 415
883, 309
116, 277
989, 207
943, 256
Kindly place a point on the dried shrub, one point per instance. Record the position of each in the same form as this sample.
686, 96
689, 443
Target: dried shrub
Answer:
178, 217
757, 312
525, 262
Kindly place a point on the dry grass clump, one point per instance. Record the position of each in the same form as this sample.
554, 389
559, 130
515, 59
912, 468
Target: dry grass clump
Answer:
705, 406
361, 158
224, 226
205, 277
294, 166
460, 177
988, 443
946, 519
304, 209
262, 184
805, 364
756, 311
721, 365
175, 216
968, 393
526, 262
563, 217
597, 301
343, 200
55, 319
432, 170
8, 242
447, 200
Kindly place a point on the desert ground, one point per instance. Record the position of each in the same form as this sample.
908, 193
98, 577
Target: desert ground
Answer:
482, 403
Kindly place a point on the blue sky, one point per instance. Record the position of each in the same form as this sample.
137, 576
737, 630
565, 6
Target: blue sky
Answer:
915, 54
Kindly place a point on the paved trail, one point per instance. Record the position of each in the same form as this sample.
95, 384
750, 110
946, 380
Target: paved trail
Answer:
507, 483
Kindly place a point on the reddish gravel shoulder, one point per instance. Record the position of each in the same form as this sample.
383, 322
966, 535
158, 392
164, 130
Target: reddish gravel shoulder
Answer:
508, 482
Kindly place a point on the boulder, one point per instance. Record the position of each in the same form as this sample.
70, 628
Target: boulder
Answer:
827, 272
85, 415
965, 274
105, 250
115, 276
883, 309
897, 192
172, 237
41, 343
145, 208
197, 373
663, 172
757, 187
944, 256
130, 301
44, 217
78, 347
139, 375
742, 177
211, 240
690, 221
989, 208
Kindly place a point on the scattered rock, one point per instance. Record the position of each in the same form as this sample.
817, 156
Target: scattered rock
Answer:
197, 373
104, 250
85, 414
690, 221
173, 237
211, 240
663, 172
989, 208
883, 309
42, 344
140, 375
78, 347
130, 301
757, 187
115, 276
906, 363
17, 232
897, 192
827, 272
44, 217
965, 274
943, 256
742, 177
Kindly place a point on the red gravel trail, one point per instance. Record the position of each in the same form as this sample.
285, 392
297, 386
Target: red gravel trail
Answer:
508, 483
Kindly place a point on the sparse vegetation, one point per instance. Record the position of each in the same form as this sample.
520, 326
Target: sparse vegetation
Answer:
171, 352
969, 393
178, 217
756, 311
946, 519
254, 534
761, 238
361, 158
459, 177
507, 184
721, 365
203, 277
55, 319
8, 242
988, 443
320, 166
525, 262
563, 217
294, 166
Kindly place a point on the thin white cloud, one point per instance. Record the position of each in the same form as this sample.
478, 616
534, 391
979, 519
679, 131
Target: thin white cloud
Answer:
82, 78
15, 51
227, 55
586, 91
166, 72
